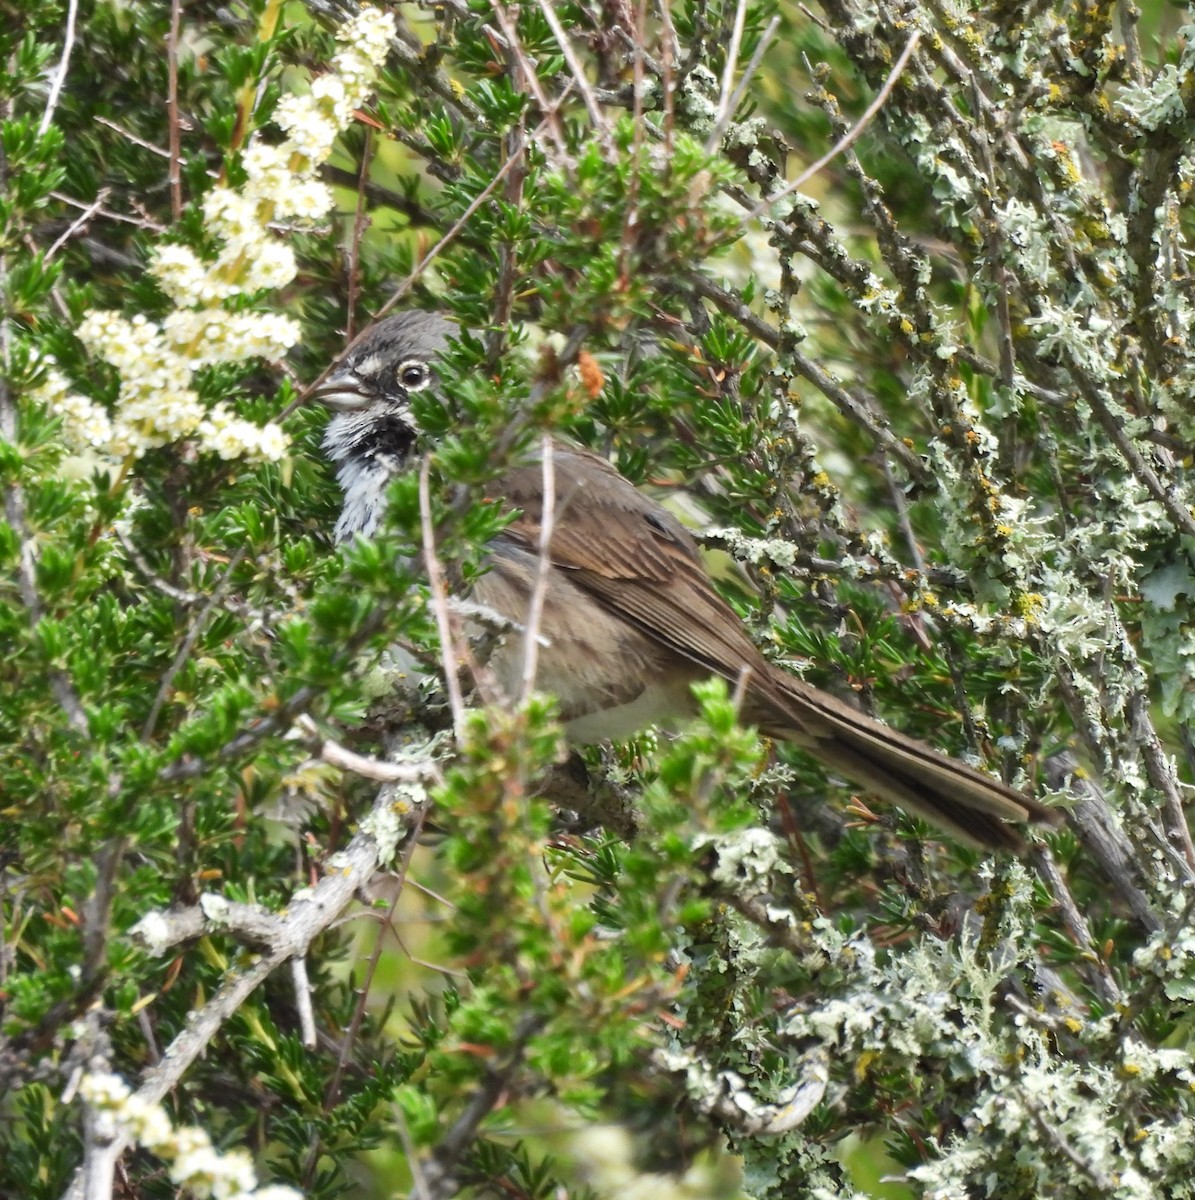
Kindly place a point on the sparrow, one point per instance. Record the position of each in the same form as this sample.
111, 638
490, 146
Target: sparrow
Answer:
631, 619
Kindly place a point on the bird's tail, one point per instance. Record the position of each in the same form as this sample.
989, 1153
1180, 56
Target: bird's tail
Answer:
972, 806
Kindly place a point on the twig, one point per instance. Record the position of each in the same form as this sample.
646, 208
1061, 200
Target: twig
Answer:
1114, 425
336, 755
354, 271
109, 215
97, 909
175, 174
100, 1152
187, 768
849, 137
132, 137
527, 67
435, 580
279, 719
724, 118
669, 56
1076, 924
68, 42
14, 511
179, 595
1104, 1185
303, 1009
854, 409
249, 923
439, 1183
419, 1184
1160, 771
184, 651
1098, 831
454, 230
630, 223
732, 61
576, 67
94, 207
543, 570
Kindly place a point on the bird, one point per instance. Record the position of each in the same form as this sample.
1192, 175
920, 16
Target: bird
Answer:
631, 618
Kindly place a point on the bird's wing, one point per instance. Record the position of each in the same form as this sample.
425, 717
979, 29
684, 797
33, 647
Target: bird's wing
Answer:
632, 556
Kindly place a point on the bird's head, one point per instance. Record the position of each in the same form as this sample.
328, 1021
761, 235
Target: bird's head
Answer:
373, 431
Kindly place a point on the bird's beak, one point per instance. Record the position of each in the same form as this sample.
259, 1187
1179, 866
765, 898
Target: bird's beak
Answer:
343, 391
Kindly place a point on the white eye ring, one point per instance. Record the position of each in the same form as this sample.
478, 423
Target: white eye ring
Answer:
413, 375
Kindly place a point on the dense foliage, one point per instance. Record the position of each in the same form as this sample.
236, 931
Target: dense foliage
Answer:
934, 429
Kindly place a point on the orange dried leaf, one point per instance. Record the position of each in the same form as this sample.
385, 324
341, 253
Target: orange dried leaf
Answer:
592, 378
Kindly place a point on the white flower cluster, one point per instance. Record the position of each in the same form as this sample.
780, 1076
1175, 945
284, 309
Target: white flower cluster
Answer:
157, 403
86, 424
196, 1166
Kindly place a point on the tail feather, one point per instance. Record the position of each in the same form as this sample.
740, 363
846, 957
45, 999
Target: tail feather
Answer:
972, 806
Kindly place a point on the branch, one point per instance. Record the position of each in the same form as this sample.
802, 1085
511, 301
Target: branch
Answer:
438, 1173
286, 936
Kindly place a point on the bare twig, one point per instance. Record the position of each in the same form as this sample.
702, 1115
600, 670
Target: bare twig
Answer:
669, 56
184, 651
422, 265
68, 42
302, 988
78, 223
725, 117
732, 62
172, 114
354, 267
630, 223
179, 595
543, 569
109, 215
526, 67
847, 404
849, 137
419, 268
332, 1093
600, 124
336, 755
435, 580
132, 137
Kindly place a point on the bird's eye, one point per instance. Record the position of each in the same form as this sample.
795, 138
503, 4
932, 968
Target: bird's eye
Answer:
414, 375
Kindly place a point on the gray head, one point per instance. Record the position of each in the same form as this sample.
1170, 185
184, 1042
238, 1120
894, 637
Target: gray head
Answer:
372, 432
